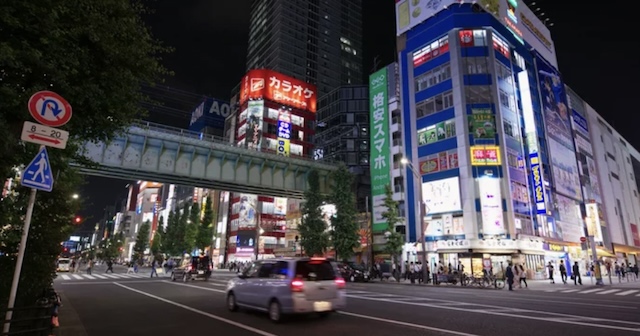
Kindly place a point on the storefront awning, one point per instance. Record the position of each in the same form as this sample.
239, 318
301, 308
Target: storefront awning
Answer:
626, 249
603, 253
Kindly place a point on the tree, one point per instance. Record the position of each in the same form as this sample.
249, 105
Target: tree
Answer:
193, 224
156, 244
97, 56
344, 235
314, 239
170, 237
395, 240
205, 232
142, 241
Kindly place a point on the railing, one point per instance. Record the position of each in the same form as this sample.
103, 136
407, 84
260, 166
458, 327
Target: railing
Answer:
150, 126
29, 321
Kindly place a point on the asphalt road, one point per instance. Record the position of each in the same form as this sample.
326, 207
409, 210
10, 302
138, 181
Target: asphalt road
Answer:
142, 306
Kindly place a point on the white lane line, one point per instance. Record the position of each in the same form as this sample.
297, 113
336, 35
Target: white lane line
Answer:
578, 303
608, 291
65, 277
627, 292
89, 276
77, 277
510, 315
569, 291
193, 286
215, 317
99, 276
591, 291
406, 324
77, 283
110, 276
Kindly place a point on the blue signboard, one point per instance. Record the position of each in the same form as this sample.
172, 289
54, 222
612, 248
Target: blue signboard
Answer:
38, 173
537, 182
580, 123
210, 113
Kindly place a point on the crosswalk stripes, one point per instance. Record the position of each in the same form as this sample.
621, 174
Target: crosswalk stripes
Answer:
627, 292
108, 276
608, 291
591, 291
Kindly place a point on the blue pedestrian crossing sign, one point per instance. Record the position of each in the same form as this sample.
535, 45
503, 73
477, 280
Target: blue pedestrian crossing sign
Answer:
38, 173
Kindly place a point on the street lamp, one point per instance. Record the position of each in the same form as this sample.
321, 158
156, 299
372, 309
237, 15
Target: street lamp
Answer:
75, 196
423, 256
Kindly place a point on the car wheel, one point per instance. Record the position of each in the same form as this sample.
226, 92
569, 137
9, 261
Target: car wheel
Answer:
173, 277
275, 311
231, 302
185, 277
352, 279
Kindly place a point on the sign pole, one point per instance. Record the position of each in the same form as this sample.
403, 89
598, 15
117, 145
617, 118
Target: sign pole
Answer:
596, 262
18, 270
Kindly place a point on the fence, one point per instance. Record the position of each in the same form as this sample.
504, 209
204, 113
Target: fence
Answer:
29, 321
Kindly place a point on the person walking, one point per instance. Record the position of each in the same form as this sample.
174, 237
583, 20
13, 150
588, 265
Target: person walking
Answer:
89, 266
523, 276
550, 268
109, 266
154, 264
509, 275
577, 279
563, 272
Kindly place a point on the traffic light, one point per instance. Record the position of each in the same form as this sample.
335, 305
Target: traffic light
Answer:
77, 220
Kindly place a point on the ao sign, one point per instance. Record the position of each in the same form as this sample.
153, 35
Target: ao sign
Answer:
220, 108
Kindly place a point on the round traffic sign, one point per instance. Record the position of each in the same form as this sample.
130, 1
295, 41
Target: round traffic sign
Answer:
583, 239
49, 108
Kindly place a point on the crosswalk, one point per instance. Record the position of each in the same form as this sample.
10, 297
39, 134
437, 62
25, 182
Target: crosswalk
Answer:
109, 276
598, 291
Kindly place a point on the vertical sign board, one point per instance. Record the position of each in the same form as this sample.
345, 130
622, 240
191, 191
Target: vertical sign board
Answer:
380, 154
284, 132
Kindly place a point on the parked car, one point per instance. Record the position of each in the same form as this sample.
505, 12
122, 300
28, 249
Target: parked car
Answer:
284, 286
354, 272
191, 268
63, 265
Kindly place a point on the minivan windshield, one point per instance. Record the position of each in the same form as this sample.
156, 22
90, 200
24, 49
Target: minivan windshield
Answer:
315, 270
63, 261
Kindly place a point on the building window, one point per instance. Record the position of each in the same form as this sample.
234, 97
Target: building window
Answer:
434, 133
434, 104
478, 94
431, 51
504, 74
433, 77
476, 65
510, 129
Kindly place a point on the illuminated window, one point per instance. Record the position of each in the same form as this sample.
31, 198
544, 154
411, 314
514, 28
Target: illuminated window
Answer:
431, 51
479, 38
501, 46
433, 77
434, 104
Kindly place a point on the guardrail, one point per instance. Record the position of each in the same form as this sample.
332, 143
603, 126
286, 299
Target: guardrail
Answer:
29, 321
146, 125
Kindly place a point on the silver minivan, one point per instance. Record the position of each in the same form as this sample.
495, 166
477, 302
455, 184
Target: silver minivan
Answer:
286, 286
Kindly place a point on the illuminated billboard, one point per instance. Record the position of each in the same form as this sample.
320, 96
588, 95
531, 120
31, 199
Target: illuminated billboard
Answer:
442, 196
485, 156
210, 113
491, 206
284, 133
254, 124
274, 86
514, 14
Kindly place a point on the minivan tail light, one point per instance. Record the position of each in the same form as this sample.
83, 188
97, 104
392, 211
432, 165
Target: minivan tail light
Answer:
297, 285
341, 283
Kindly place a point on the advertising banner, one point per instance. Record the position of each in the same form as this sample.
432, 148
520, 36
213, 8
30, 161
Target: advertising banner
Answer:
247, 212
537, 183
254, 124
442, 196
491, 206
580, 123
274, 86
566, 177
210, 113
284, 132
554, 103
485, 156
380, 151
583, 145
439, 162
593, 187
593, 222
434, 133
482, 123
447, 225
568, 210
514, 14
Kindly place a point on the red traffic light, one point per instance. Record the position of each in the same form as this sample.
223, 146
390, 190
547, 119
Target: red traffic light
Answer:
78, 219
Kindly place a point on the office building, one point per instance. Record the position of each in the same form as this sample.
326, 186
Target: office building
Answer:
317, 42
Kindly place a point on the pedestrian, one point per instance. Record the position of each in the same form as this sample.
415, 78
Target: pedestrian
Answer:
577, 279
523, 276
563, 272
109, 266
516, 276
509, 275
89, 266
153, 268
550, 268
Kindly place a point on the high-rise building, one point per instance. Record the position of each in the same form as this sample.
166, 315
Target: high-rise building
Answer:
499, 154
318, 42
342, 134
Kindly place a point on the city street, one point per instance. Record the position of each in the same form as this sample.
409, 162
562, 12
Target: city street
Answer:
143, 306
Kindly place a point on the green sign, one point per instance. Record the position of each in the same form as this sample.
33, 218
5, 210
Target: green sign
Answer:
440, 131
482, 123
380, 154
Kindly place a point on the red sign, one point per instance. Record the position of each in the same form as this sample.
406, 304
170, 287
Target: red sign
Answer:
466, 38
274, 86
49, 108
583, 239
635, 234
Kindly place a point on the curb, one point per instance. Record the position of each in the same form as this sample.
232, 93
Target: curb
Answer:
70, 323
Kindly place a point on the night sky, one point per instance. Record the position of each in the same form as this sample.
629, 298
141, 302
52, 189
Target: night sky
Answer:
210, 42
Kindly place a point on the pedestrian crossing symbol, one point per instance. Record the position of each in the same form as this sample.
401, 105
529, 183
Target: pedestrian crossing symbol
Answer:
38, 173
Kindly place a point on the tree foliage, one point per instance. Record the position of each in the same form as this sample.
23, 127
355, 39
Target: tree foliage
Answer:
193, 224
170, 236
344, 236
314, 239
142, 241
395, 240
97, 55
206, 230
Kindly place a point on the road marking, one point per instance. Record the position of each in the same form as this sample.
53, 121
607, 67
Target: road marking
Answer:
577, 303
89, 276
569, 291
194, 286
77, 277
215, 317
511, 315
65, 277
627, 292
111, 276
590, 291
217, 284
132, 281
99, 276
406, 324
608, 291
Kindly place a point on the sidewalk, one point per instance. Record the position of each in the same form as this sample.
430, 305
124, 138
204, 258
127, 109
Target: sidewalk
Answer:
70, 324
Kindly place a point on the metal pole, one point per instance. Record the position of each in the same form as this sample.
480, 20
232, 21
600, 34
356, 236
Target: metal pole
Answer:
16, 273
370, 233
423, 244
596, 263
257, 242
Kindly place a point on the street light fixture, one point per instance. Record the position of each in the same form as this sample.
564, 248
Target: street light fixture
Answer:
423, 256
75, 196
